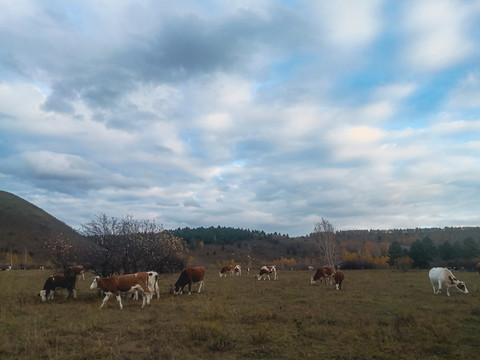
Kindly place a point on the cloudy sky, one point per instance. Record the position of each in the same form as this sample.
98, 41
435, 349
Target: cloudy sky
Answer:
254, 114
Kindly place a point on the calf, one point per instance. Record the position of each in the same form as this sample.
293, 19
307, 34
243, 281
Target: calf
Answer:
64, 281
324, 272
443, 276
114, 285
228, 269
338, 277
266, 271
188, 277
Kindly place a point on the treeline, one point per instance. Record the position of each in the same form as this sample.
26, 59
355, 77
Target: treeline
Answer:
425, 253
408, 236
218, 235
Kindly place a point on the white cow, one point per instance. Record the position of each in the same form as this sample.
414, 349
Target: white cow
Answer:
237, 270
443, 276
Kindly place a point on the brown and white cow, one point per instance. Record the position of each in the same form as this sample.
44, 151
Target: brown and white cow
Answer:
266, 271
338, 277
114, 285
237, 270
323, 273
442, 276
188, 277
228, 269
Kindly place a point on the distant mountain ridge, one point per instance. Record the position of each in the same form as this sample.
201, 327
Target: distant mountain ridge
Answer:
25, 229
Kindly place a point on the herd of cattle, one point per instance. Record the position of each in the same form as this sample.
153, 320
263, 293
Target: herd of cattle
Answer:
146, 283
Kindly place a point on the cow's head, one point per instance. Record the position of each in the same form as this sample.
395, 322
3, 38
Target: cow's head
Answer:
43, 295
175, 289
460, 285
95, 283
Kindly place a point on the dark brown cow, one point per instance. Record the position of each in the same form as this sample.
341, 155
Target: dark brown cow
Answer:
75, 271
324, 272
114, 285
64, 281
225, 270
188, 277
266, 271
339, 277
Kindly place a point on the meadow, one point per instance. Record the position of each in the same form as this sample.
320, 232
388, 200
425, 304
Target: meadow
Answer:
380, 314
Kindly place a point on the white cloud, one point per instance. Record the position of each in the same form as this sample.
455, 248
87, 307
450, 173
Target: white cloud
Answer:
437, 33
349, 24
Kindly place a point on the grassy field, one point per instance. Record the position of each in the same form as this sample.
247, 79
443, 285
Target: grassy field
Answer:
378, 315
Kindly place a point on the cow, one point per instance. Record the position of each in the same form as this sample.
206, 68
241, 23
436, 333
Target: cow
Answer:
442, 276
114, 285
64, 281
266, 271
324, 272
478, 267
188, 277
75, 271
338, 277
152, 285
237, 270
228, 269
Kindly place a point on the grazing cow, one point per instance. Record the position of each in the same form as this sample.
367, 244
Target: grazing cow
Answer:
443, 276
64, 281
228, 269
188, 277
266, 271
324, 272
339, 277
114, 285
237, 270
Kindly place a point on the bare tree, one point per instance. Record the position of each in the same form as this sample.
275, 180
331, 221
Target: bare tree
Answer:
324, 234
134, 245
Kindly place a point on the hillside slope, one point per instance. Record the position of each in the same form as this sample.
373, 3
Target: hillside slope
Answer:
25, 228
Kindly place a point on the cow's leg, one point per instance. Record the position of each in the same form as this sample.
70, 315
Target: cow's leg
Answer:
448, 293
190, 288
200, 285
119, 299
51, 294
440, 286
105, 299
312, 281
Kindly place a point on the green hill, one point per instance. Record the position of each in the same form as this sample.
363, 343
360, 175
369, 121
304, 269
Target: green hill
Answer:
25, 229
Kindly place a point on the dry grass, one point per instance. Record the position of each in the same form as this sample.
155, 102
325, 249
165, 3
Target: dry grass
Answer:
378, 315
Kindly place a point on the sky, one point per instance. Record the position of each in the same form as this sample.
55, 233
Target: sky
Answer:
261, 115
